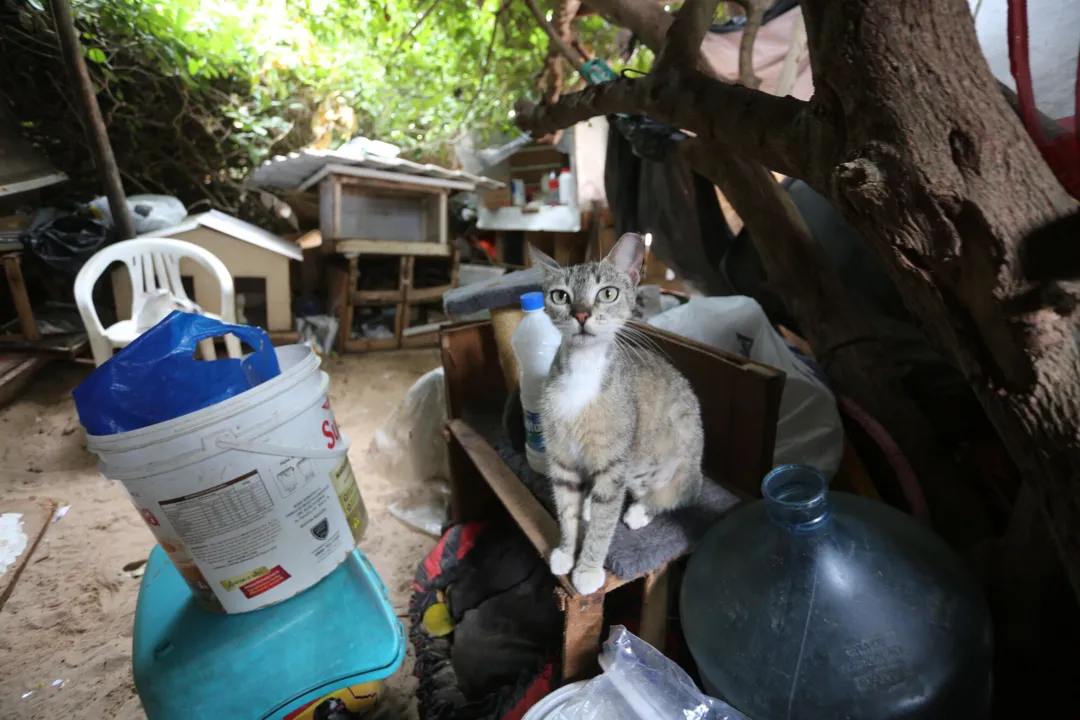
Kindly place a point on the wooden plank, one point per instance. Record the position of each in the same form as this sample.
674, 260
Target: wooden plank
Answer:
471, 366
66, 346
421, 340
431, 294
284, 337
36, 517
583, 625
359, 175
335, 226
370, 344
403, 313
653, 624
345, 306
390, 247
376, 297
532, 517
443, 219
13, 270
17, 375
470, 497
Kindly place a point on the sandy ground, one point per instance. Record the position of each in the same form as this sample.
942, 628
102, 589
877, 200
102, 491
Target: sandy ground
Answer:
71, 614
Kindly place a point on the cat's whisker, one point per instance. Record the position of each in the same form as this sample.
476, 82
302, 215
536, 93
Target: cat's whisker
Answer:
641, 340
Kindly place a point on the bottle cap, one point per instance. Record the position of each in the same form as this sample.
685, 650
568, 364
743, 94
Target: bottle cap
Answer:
532, 301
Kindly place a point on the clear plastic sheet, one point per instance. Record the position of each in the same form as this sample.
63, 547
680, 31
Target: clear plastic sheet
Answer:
639, 683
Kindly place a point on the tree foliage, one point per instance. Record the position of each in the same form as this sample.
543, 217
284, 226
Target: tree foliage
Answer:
197, 92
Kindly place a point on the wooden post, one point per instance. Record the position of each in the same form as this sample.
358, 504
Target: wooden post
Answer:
91, 116
583, 626
23, 309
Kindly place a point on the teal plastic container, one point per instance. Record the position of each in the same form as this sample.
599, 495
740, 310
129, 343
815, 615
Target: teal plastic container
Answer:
266, 664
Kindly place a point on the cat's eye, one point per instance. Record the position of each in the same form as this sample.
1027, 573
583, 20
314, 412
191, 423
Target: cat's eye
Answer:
608, 294
560, 297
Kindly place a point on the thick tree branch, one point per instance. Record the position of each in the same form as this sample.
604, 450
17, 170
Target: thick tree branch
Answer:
755, 16
775, 131
685, 35
563, 45
560, 37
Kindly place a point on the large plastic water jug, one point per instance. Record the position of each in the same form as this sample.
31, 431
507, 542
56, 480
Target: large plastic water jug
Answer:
535, 342
812, 604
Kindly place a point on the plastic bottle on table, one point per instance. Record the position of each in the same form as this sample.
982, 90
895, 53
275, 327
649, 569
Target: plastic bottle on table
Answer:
535, 342
566, 187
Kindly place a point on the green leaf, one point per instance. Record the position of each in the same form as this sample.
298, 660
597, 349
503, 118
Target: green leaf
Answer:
96, 55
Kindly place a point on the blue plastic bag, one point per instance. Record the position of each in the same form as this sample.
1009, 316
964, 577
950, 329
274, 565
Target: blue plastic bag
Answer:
158, 378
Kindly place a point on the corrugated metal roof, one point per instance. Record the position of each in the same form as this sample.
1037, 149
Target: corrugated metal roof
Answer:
296, 169
228, 225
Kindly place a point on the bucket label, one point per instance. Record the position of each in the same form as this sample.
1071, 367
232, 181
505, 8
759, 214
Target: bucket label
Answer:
208, 521
267, 581
349, 497
248, 529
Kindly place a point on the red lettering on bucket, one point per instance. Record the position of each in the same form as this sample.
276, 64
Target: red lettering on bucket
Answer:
326, 405
149, 517
331, 432
266, 582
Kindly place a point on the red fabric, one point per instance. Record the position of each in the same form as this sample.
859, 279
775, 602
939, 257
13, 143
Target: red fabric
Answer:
433, 562
468, 538
539, 688
1062, 153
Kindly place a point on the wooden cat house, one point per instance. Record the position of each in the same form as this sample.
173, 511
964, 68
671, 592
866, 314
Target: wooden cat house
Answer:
257, 260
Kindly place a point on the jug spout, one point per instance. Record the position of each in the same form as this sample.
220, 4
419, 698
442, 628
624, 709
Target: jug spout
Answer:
797, 498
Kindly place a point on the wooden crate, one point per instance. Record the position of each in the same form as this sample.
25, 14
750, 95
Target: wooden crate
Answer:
740, 402
346, 296
358, 206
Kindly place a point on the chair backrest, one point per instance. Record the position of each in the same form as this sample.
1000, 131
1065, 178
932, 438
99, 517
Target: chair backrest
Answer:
153, 263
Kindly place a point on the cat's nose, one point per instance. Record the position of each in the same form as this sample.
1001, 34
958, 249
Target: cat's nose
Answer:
581, 317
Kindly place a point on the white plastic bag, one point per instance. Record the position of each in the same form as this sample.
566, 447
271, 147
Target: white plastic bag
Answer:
809, 431
410, 445
149, 213
427, 510
639, 683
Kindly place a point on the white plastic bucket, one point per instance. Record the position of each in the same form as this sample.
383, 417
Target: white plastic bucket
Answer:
253, 498
552, 702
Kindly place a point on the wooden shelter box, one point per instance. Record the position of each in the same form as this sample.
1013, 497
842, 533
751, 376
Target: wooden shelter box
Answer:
257, 260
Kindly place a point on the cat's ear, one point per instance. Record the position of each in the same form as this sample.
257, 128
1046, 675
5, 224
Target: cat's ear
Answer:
542, 260
627, 255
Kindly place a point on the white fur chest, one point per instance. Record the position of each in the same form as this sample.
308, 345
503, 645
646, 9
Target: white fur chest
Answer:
581, 382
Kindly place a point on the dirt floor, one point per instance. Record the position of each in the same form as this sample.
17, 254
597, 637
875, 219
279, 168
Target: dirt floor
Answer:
70, 616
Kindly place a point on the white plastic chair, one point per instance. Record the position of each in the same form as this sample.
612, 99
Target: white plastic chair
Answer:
154, 263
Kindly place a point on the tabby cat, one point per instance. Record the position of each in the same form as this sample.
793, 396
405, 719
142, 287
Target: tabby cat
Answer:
618, 419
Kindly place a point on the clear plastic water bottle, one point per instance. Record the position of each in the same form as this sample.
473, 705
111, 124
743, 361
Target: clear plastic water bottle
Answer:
535, 342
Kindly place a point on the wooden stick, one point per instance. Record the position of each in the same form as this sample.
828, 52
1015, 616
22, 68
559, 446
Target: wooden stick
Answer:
86, 101
571, 55
25, 312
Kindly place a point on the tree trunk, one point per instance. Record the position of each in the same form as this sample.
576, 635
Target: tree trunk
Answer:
800, 273
910, 136
930, 164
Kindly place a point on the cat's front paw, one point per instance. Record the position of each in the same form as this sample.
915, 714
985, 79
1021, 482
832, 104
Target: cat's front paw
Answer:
637, 517
561, 562
588, 580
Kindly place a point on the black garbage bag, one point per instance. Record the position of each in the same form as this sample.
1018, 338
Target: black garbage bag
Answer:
652, 190
66, 240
